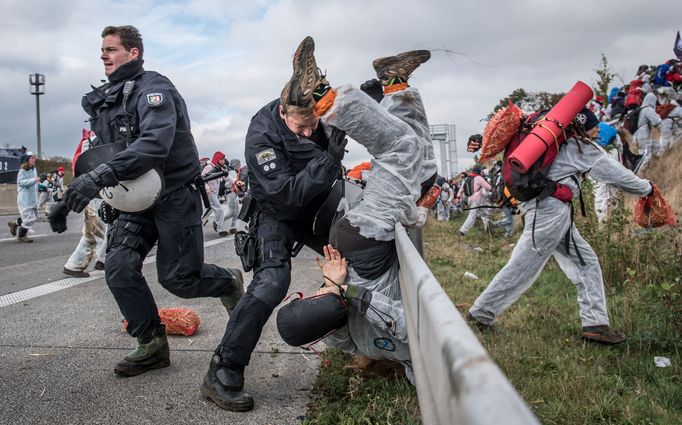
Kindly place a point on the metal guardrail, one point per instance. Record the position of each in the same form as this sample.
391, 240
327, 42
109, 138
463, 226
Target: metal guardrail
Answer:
457, 381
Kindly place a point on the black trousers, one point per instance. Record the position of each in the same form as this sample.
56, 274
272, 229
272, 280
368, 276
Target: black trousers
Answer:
175, 224
271, 279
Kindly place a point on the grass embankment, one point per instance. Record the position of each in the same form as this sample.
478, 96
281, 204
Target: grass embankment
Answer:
537, 341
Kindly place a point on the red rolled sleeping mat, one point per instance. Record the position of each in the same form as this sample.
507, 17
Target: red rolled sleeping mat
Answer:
548, 133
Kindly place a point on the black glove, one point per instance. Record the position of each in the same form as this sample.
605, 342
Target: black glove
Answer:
374, 89
651, 192
337, 143
57, 217
107, 213
86, 186
474, 143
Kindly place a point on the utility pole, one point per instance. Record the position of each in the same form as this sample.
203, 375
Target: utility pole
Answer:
37, 87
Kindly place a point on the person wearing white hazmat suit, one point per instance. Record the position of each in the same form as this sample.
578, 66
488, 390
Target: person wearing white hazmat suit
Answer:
549, 230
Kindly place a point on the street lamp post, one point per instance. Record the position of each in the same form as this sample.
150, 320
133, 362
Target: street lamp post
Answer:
37, 87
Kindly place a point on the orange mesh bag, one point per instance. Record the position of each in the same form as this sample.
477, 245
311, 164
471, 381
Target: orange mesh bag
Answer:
654, 210
500, 130
178, 321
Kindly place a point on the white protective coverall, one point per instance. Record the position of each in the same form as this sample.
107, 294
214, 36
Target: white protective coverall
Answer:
232, 201
27, 196
648, 119
396, 134
671, 128
212, 189
605, 194
480, 197
443, 207
93, 243
552, 219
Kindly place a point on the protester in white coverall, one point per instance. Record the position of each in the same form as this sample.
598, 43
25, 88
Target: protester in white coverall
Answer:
443, 207
27, 198
231, 198
648, 119
212, 189
547, 224
396, 133
606, 195
92, 245
477, 198
671, 127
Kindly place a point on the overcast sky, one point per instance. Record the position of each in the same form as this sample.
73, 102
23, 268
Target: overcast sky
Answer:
228, 58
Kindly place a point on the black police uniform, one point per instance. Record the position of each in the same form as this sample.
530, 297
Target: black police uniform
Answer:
144, 109
289, 177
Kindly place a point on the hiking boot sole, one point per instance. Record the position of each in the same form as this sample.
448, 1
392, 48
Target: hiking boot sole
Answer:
306, 77
134, 372
599, 339
205, 391
74, 273
401, 65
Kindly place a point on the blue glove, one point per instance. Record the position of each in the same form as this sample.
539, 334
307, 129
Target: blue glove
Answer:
86, 186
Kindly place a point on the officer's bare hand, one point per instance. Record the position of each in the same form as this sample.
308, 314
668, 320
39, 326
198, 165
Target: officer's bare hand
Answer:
335, 267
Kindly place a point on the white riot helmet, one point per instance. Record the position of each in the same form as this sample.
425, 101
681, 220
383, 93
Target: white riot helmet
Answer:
129, 195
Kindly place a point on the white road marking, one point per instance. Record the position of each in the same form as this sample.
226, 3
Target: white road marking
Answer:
48, 288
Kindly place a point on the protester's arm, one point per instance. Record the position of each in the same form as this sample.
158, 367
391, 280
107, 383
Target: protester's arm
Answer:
607, 170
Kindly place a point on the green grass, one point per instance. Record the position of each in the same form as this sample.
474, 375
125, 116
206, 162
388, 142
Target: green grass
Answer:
537, 341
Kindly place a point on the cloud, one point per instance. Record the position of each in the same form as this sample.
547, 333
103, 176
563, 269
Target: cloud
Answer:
229, 58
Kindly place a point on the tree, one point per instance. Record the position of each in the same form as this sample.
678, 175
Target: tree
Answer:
528, 101
606, 75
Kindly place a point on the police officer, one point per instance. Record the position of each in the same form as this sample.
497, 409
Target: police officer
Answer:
292, 162
144, 110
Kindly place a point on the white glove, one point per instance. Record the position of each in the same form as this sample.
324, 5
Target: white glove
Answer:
422, 214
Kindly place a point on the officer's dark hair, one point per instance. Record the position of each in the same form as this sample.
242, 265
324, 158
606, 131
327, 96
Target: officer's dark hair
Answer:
130, 36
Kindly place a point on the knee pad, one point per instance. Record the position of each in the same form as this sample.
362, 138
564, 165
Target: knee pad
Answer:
270, 285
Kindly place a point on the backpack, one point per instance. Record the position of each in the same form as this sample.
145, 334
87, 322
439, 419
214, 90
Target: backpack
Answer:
631, 120
497, 194
659, 78
533, 183
469, 185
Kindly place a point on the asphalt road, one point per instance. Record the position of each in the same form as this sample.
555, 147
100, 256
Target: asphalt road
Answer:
57, 350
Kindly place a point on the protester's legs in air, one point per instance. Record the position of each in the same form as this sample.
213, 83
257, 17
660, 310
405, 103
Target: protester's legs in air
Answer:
552, 220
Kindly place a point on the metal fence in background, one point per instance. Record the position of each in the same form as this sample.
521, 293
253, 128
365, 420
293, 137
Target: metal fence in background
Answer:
457, 381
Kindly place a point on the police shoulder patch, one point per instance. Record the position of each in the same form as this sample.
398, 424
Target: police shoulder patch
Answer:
154, 99
266, 156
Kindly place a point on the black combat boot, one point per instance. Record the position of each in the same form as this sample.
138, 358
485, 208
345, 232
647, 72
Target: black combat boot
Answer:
225, 386
150, 354
22, 235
